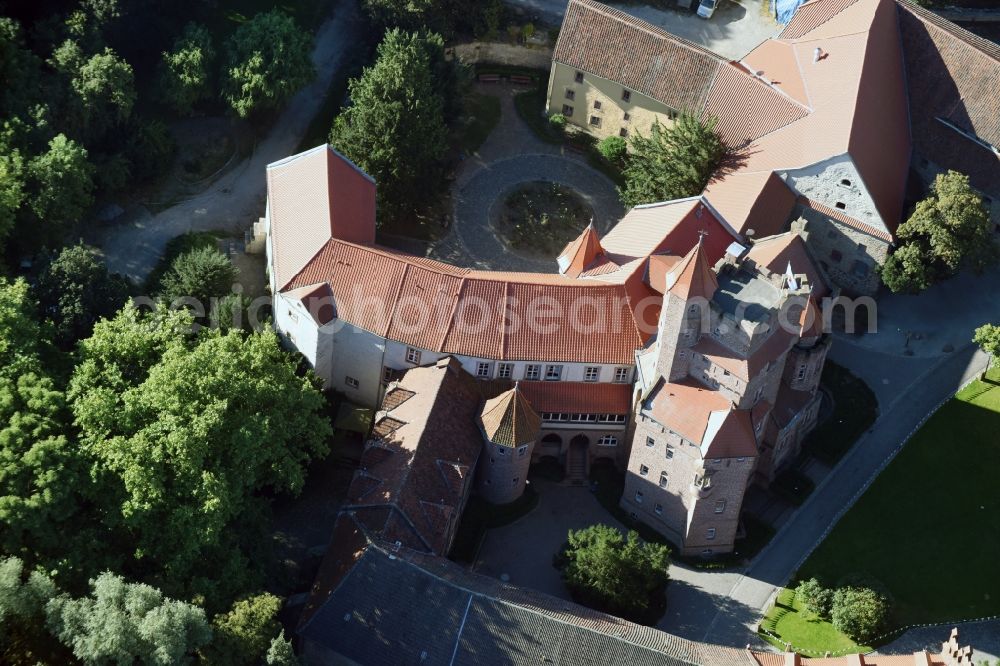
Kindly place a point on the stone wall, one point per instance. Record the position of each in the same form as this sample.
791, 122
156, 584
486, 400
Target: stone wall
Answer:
499, 53
836, 183
847, 256
599, 100
502, 472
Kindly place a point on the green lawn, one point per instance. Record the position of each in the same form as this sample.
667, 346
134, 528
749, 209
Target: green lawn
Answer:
929, 527
808, 633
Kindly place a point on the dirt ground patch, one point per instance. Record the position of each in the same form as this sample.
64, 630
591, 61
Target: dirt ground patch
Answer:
538, 219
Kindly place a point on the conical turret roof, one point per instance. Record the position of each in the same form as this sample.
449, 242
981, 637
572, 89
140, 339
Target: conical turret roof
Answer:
693, 276
509, 419
581, 253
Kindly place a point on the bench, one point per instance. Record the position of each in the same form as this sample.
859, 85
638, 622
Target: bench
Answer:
521, 78
489, 78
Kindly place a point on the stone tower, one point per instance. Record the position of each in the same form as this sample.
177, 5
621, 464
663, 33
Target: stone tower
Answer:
510, 428
687, 292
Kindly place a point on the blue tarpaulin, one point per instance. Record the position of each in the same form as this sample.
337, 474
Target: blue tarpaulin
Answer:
785, 8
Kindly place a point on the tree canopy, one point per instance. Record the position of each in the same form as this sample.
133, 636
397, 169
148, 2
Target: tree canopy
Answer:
201, 273
987, 337
859, 612
127, 622
673, 162
949, 230
268, 59
74, 290
394, 128
63, 182
176, 423
20, 333
243, 635
184, 73
615, 573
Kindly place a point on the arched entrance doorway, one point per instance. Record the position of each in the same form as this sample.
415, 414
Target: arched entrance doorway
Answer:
576, 458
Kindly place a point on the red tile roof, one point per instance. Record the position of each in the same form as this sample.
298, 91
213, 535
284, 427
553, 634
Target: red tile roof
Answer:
747, 108
703, 417
414, 474
312, 197
601, 40
582, 253
952, 74
693, 276
778, 252
509, 419
752, 200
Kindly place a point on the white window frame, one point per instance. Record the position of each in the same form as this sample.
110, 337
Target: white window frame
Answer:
720, 506
413, 355
664, 479
643, 470
650, 441
669, 453
710, 533
591, 373
553, 373
607, 440
484, 369
532, 369
621, 375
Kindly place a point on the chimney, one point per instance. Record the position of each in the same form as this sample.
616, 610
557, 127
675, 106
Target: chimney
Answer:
817, 54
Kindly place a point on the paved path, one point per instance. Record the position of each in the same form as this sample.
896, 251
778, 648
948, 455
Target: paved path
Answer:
510, 156
752, 591
734, 30
234, 201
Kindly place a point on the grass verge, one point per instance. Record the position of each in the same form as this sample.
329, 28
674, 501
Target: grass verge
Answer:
808, 633
480, 515
854, 411
928, 528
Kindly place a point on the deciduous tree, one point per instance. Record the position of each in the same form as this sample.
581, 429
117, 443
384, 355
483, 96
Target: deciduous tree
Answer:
74, 290
202, 273
394, 128
987, 337
62, 182
267, 61
243, 635
184, 73
189, 431
673, 162
948, 231
816, 598
125, 623
859, 612
20, 333
616, 573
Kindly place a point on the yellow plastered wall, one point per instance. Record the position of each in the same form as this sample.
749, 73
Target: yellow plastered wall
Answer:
642, 110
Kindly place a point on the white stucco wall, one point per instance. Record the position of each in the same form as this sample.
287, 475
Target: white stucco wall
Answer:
824, 182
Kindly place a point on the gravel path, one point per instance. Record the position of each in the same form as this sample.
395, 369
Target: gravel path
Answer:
234, 201
510, 156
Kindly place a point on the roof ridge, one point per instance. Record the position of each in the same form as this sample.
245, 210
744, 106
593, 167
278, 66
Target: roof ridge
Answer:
395, 301
506, 319
981, 44
646, 26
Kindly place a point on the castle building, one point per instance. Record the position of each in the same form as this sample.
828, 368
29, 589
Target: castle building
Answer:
818, 118
734, 343
685, 345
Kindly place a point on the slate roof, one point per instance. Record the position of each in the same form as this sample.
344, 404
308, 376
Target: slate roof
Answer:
399, 607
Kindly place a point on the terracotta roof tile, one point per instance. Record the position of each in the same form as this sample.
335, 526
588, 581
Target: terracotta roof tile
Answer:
811, 15
509, 419
846, 219
758, 200
431, 432
575, 397
749, 366
581, 253
952, 74
601, 40
693, 276
312, 196
747, 108
777, 252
